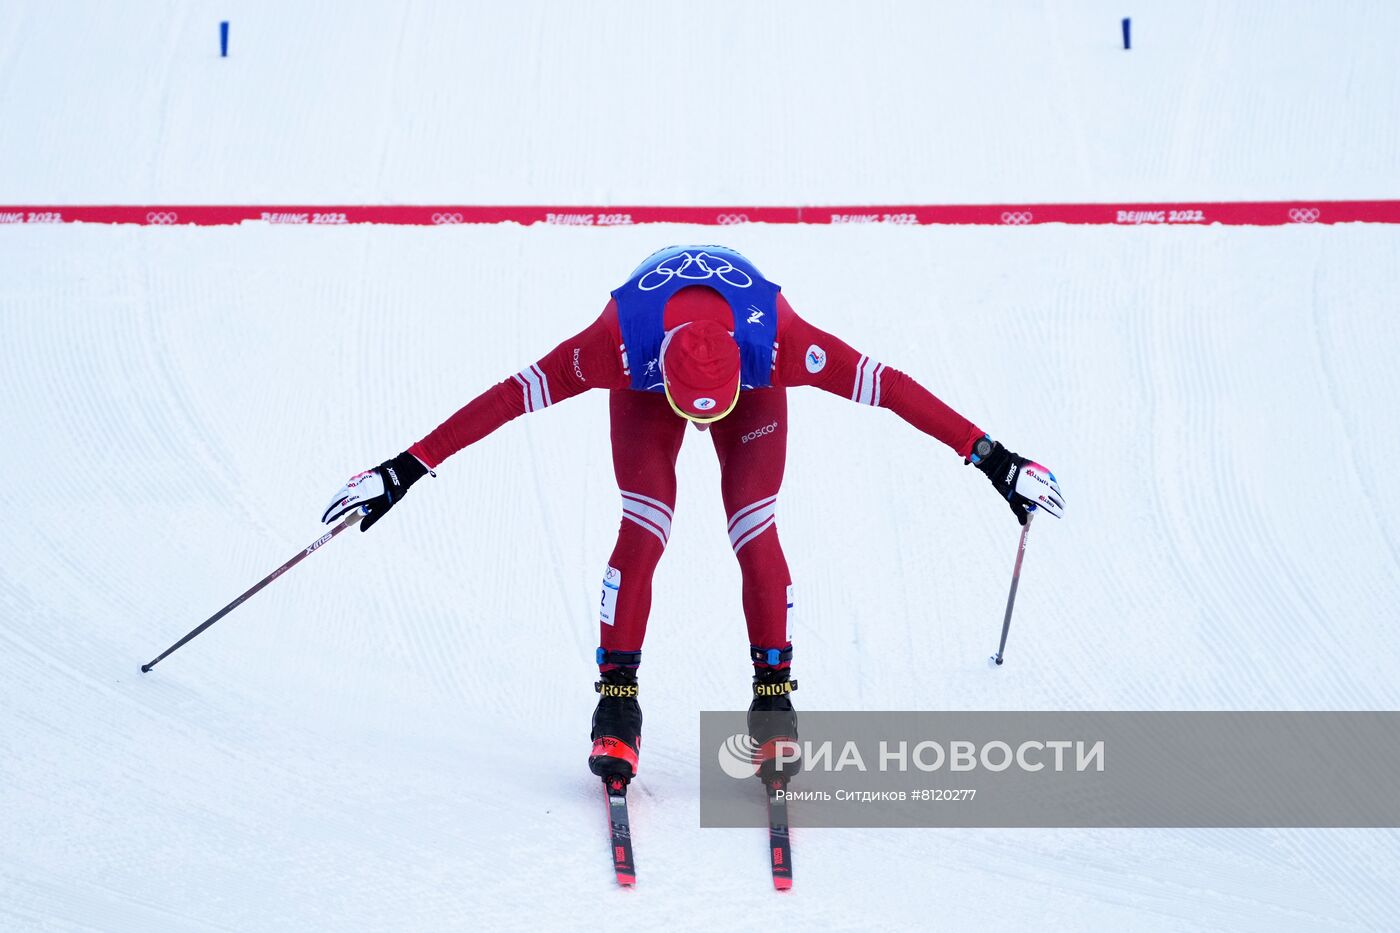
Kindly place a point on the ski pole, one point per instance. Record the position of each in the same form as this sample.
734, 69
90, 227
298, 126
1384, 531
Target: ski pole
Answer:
1011, 596
352, 519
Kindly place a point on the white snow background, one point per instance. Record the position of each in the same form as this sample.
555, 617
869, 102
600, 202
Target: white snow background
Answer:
393, 736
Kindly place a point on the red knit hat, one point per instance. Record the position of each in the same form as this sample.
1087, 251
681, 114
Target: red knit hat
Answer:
700, 367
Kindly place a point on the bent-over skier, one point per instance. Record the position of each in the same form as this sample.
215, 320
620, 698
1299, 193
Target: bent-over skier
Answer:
697, 335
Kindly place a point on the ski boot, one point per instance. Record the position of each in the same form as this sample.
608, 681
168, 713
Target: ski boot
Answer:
617, 722
772, 720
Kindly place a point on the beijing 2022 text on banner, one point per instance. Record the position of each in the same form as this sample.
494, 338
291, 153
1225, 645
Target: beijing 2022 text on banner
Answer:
1064, 769
1233, 213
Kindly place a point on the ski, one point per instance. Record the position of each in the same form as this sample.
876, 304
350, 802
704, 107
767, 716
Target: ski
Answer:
779, 842
620, 829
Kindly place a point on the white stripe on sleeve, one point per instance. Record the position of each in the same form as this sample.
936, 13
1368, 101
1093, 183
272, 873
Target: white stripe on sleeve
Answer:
544, 384
525, 391
867, 387
535, 385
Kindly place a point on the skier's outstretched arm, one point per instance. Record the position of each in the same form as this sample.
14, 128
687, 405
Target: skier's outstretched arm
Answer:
808, 355
588, 360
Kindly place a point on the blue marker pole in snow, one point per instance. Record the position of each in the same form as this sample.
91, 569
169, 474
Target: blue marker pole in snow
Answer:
1127, 32
223, 38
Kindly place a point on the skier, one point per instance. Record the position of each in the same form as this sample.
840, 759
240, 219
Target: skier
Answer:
697, 335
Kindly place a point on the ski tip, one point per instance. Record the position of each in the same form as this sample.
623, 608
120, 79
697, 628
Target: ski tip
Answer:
782, 884
626, 881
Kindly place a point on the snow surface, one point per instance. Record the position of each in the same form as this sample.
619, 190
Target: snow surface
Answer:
392, 737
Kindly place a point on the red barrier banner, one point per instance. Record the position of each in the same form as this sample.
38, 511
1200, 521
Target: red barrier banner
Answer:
1234, 213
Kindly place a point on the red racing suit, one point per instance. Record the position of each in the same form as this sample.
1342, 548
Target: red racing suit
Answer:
751, 444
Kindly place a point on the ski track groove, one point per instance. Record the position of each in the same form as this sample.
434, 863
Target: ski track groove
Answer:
1364, 478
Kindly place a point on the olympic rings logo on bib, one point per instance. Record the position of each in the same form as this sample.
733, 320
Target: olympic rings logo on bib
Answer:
163, 218
695, 267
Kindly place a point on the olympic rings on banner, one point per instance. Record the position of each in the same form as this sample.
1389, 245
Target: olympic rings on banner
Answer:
453, 218
728, 220
1304, 215
162, 217
1017, 218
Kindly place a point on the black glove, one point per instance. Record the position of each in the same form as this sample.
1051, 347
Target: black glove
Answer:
376, 490
1024, 484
